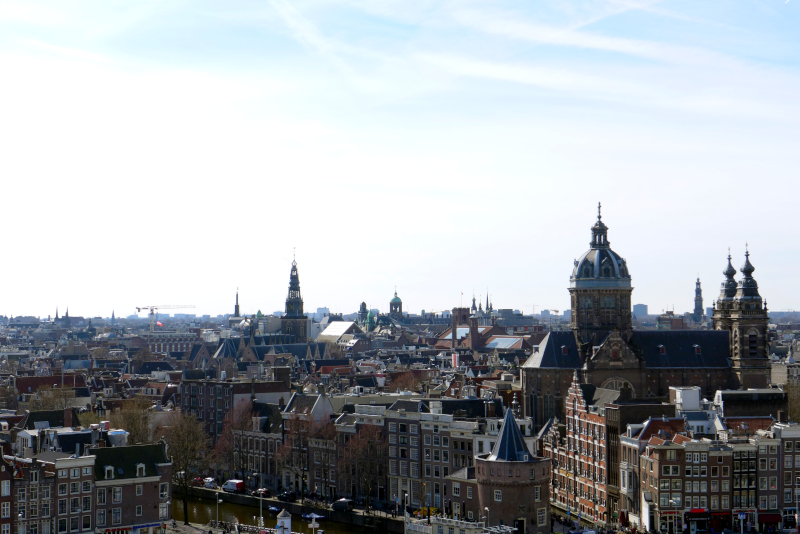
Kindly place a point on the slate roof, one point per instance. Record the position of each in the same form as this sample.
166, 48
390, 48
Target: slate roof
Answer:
510, 446
595, 396
679, 348
551, 352
54, 418
125, 459
272, 425
149, 367
560, 350
301, 403
471, 407
228, 348
193, 374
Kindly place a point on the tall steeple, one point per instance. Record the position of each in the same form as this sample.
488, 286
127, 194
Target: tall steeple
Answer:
294, 302
698, 301
56, 313
236, 308
113, 318
294, 322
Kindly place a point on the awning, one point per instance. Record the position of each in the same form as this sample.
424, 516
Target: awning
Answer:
697, 516
770, 518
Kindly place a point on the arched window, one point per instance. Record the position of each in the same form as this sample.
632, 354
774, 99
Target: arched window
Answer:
587, 272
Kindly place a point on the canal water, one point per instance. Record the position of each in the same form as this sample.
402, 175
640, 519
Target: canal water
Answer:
203, 510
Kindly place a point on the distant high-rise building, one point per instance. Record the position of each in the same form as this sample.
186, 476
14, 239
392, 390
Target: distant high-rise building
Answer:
640, 310
545, 315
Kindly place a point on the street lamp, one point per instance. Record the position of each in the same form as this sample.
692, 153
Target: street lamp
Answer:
487, 515
218, 501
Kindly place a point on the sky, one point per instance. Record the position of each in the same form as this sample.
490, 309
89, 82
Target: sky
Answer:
169, 152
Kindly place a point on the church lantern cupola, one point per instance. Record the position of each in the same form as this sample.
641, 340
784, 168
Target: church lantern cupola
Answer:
294, 322
600, 288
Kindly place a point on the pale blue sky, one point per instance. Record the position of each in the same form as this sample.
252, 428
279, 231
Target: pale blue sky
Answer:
170, 151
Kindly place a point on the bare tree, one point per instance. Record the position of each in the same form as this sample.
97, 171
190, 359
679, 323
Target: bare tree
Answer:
407, 381
362, 459
187, 445
136, 417
292, 455
792, 400
229, 452
323, 441
52, 398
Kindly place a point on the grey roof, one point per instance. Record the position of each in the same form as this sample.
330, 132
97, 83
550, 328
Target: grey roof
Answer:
560, 350
679, 348
465, 473
551, 352
595, 396
301, 403
510, 447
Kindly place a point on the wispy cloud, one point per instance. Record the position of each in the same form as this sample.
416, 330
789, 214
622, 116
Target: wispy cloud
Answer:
306, 33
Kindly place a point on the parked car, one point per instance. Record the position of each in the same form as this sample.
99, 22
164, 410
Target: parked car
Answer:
209, 482
233, 486
197, 481
288, 496
343, 505
261, 492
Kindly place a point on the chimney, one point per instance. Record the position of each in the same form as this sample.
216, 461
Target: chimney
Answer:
68, 417
281, 402
474, 335
625, 393
781, 416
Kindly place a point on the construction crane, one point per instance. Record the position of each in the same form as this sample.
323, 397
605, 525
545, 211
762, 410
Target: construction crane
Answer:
160, 307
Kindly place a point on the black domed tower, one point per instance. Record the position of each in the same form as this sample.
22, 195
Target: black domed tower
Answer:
294, 321
600, 290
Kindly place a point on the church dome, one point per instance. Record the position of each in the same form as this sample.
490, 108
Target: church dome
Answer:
396, 299
600, 266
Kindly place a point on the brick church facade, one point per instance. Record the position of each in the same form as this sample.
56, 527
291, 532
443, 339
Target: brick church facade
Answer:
605, 350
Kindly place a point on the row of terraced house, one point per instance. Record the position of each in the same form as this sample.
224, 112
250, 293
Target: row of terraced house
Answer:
682, 466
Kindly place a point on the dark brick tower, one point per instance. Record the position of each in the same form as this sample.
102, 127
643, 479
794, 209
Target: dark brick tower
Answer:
294, 321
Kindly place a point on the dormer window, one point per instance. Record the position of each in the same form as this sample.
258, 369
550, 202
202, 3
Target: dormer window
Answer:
662, 350
564, 350
697, 349
109, 472
139, 470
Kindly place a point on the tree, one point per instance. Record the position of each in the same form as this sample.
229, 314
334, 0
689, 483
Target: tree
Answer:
293, 453
136, 417
88, 418
229, 452
407, 381
323, 441
187, 445
362, 460
792, 400
52, 398
139, 357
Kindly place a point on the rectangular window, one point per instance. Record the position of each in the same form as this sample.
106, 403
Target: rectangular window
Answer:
86, 505
62, 525
101, 496
139, 510
74, 525
498, 495
139, 490
45, 509
163, 511
116, 495
116, 516
6, 510
469, 492
163, 490
86, 486
101, 518
62, 506
87, 522
62, 489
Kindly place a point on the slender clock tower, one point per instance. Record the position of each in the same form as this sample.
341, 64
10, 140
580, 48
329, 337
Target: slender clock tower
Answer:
294, 321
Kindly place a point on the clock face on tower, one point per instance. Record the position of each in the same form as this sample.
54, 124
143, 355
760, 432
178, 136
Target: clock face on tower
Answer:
289, 306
